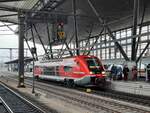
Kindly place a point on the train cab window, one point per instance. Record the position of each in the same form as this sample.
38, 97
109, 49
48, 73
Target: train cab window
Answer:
67, 68
94, 65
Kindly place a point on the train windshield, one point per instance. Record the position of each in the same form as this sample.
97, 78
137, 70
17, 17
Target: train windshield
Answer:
94, 65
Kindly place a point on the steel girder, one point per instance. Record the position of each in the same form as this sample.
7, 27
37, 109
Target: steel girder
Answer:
75, 27
47, 4
60, 54
109, 31
70, 52
41, 41
8, 21
32, 16
140, 30
143, 52
11, 0
95, 41
90, 33
28, 46
33, 38
9, 27
50, 45
1, 16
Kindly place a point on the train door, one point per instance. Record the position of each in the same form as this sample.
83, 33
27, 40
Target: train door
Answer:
57, 70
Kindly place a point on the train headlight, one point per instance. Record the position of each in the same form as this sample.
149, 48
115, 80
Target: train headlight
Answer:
91, 72
103, 72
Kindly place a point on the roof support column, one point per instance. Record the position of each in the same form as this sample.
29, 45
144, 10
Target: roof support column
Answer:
75, 28
140, 28
50, 45
21, 51
134, 30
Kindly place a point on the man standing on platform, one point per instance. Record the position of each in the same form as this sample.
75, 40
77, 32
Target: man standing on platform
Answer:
134, 73
125, 72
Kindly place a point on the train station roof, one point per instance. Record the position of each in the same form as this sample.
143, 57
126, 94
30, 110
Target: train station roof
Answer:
108, 10
117, 14
26, 59
9, 9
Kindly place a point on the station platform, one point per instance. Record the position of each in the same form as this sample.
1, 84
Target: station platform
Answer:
134, 87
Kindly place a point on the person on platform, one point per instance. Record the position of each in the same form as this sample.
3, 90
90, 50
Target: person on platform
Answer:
148, 73
113, 72
119, 73
134, 73
125, 72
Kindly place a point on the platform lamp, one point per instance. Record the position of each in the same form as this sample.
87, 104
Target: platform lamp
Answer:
33, 52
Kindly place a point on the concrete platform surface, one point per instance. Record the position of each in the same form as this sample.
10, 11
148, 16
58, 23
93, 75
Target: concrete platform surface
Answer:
135, 87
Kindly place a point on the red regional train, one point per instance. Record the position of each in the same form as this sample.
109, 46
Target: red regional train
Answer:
80, 70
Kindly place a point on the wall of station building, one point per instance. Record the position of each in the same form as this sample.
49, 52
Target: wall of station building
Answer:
105, 47
106, 50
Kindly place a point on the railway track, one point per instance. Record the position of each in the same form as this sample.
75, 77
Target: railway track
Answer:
128, 97
95, 103
4, 108
12, 102
89, 101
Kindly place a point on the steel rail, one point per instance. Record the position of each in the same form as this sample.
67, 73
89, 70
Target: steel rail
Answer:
6, 106
22, 99
65, 93
89, 100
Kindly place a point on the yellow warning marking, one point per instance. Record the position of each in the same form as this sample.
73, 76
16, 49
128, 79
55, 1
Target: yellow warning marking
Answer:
88, 90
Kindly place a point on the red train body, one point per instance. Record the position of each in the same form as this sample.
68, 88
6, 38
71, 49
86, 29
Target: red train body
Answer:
80, 70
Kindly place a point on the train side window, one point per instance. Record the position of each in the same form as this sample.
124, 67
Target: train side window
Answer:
49, 70
67, 68
57, 70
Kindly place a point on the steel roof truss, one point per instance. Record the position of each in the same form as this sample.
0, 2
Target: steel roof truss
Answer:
12, 0
109, 31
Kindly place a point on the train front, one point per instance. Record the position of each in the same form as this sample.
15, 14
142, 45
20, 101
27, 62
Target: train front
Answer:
95, 74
